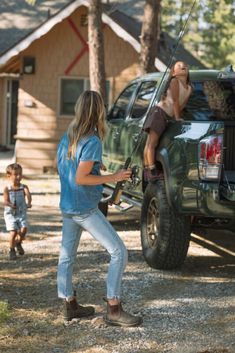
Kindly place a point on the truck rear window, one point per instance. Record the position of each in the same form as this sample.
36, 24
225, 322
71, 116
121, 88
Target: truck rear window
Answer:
211, 100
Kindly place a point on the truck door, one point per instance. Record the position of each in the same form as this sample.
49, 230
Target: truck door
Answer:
115, 144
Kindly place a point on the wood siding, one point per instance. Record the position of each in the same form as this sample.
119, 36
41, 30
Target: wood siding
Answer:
40, 127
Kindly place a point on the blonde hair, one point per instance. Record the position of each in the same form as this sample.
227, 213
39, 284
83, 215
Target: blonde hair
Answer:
89, 119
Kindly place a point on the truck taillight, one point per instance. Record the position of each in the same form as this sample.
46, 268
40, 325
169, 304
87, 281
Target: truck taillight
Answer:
210, 157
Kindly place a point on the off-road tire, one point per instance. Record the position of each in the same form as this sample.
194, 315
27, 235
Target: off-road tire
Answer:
165, 235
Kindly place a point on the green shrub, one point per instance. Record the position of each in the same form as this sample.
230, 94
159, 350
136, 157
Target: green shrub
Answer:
4, 311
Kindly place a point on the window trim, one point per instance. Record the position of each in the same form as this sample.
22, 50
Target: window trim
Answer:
136, 94
86, 86
130, 102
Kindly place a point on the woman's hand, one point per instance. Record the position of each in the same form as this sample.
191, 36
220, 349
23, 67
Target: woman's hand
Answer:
123, 174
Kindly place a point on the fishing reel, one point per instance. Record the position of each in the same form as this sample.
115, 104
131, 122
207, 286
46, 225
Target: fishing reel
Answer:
135, 179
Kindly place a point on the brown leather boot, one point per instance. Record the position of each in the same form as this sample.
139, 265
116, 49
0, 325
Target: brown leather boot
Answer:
73, 310
116, 316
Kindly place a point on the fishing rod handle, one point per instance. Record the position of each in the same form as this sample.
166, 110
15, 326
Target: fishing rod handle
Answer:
117, 193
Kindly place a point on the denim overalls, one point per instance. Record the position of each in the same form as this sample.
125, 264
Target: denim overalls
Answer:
16, 218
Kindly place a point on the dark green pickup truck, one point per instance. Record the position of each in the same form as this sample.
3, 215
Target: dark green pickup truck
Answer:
197, 157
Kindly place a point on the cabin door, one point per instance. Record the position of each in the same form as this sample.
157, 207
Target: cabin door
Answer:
11, 111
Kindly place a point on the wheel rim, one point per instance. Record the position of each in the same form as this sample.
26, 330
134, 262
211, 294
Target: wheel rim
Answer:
152, 222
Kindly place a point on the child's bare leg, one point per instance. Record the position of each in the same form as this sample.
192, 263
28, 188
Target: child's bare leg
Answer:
22, 233
150, 146
13, 234
21, 237
12, 253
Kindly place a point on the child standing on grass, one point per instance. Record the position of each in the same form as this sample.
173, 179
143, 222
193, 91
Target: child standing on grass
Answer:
15, 211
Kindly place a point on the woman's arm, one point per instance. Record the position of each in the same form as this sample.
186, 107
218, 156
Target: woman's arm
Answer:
83, 176
6, 198
174, 88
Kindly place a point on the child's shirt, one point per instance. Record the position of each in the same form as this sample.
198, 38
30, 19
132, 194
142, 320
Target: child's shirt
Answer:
167, 104
79, 199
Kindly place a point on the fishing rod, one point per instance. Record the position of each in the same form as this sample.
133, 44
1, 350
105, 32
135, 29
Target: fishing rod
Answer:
116, 195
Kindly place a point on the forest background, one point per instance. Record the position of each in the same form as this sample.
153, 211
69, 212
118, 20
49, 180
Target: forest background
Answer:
210, 34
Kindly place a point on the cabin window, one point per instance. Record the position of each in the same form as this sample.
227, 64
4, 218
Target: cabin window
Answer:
71, 89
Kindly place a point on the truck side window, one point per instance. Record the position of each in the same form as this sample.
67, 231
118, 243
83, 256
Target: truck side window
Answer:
120, 107
197, 107
143, 99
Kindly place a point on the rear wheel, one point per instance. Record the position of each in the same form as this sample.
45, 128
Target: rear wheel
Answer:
165, 235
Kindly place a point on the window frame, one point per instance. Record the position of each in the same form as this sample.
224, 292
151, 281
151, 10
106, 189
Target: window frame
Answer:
86, 86
132, 98
136, 95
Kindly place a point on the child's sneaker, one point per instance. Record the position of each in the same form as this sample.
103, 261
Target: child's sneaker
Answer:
12, 254
20, 249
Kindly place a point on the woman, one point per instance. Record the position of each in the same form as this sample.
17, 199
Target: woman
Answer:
79, 161
169, 107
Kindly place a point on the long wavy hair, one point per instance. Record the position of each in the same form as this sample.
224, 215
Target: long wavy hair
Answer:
171, 76
89, 119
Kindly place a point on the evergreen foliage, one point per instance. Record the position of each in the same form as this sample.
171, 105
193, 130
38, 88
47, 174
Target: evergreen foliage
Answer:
210, 34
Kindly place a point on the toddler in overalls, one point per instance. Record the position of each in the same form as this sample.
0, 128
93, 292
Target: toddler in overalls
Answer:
15, 210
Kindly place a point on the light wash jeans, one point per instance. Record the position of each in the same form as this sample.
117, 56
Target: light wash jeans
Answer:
99, 227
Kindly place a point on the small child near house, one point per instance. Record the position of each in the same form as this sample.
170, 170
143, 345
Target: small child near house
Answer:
15, 210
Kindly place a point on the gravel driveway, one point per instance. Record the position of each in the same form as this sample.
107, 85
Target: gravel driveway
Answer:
191, 310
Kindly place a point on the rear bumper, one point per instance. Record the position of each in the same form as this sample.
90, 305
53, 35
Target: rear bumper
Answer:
212, 204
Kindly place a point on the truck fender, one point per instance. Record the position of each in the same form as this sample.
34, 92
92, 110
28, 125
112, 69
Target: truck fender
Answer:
162, 157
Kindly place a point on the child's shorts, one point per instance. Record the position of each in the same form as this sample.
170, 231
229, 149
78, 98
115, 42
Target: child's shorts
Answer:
157, 121
15, 222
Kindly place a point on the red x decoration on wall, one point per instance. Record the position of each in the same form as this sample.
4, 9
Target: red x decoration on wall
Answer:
83, 50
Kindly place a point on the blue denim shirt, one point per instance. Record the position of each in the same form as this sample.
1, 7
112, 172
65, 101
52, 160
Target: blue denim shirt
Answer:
79, 199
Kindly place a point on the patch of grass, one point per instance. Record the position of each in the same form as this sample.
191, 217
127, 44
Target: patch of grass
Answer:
4, 311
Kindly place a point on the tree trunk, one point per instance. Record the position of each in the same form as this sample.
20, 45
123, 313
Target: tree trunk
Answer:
96, 48
150, 35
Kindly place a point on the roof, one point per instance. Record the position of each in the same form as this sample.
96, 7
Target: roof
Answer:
21, 24
17, 19
133, 24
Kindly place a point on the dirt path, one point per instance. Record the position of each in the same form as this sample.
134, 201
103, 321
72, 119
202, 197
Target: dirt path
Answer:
186, 311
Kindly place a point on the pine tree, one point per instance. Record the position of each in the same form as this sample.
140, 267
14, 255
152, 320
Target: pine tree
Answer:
96, 48
210, 34
219, 34
149, 35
